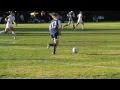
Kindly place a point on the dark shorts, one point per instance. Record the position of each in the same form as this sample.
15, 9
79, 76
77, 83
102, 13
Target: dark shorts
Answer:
55, 35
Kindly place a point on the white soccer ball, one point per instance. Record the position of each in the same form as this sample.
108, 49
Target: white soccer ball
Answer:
75, 50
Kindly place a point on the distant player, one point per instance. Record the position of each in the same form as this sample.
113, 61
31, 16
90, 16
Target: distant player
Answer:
70, 16
80, 20
42, 13
9, 26
55, 30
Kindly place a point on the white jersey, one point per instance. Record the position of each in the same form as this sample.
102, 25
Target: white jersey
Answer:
10, 21
70, 16
79, 18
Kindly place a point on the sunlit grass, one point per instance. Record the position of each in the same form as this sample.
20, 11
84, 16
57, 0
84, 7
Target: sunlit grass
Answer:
28, 57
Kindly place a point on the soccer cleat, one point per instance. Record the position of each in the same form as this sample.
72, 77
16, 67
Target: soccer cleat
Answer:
82, 27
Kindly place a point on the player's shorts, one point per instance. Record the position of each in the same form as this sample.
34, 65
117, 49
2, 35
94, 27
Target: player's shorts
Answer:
71, 21
55, 36
9, 26
79, 21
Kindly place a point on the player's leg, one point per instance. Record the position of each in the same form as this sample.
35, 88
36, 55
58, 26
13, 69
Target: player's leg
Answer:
56, 42
13, 32
4, 31
80, 22
73, 25
50, 44
82, 25
67, 24
77, 24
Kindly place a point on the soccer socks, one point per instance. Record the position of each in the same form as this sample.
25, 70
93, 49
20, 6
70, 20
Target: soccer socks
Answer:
77, 24
73, 26
65, 25
2, 32
54, 48
51, 44
13, 33
82, 26
54, 51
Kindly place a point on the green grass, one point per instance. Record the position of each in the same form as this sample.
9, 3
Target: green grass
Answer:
28, 57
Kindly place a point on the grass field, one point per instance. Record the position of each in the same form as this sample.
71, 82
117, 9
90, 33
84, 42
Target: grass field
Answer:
28, 58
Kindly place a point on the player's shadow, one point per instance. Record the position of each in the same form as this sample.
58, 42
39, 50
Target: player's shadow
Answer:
12, 44
103, 54
34, 59
94, 29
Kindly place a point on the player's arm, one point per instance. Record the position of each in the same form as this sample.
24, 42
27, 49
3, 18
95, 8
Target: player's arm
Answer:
50, 29
6, 19
60, 28
68, 15
59, 31
15, 23
73, 14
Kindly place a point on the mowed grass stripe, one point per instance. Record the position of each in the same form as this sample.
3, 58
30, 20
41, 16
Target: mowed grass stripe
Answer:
28, 57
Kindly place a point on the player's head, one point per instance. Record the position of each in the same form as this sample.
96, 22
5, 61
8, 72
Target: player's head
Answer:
70, 12
54, 15
42, 13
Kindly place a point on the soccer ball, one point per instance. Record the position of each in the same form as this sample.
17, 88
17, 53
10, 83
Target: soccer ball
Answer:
75, 50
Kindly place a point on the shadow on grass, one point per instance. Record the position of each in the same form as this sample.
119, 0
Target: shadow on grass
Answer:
64, 29
103, 54
3, 75
25, 45
46, 60
115, 75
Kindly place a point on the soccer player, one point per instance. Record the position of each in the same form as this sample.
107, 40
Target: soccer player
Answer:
70, 16
80, 17
9, 26
55, 30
